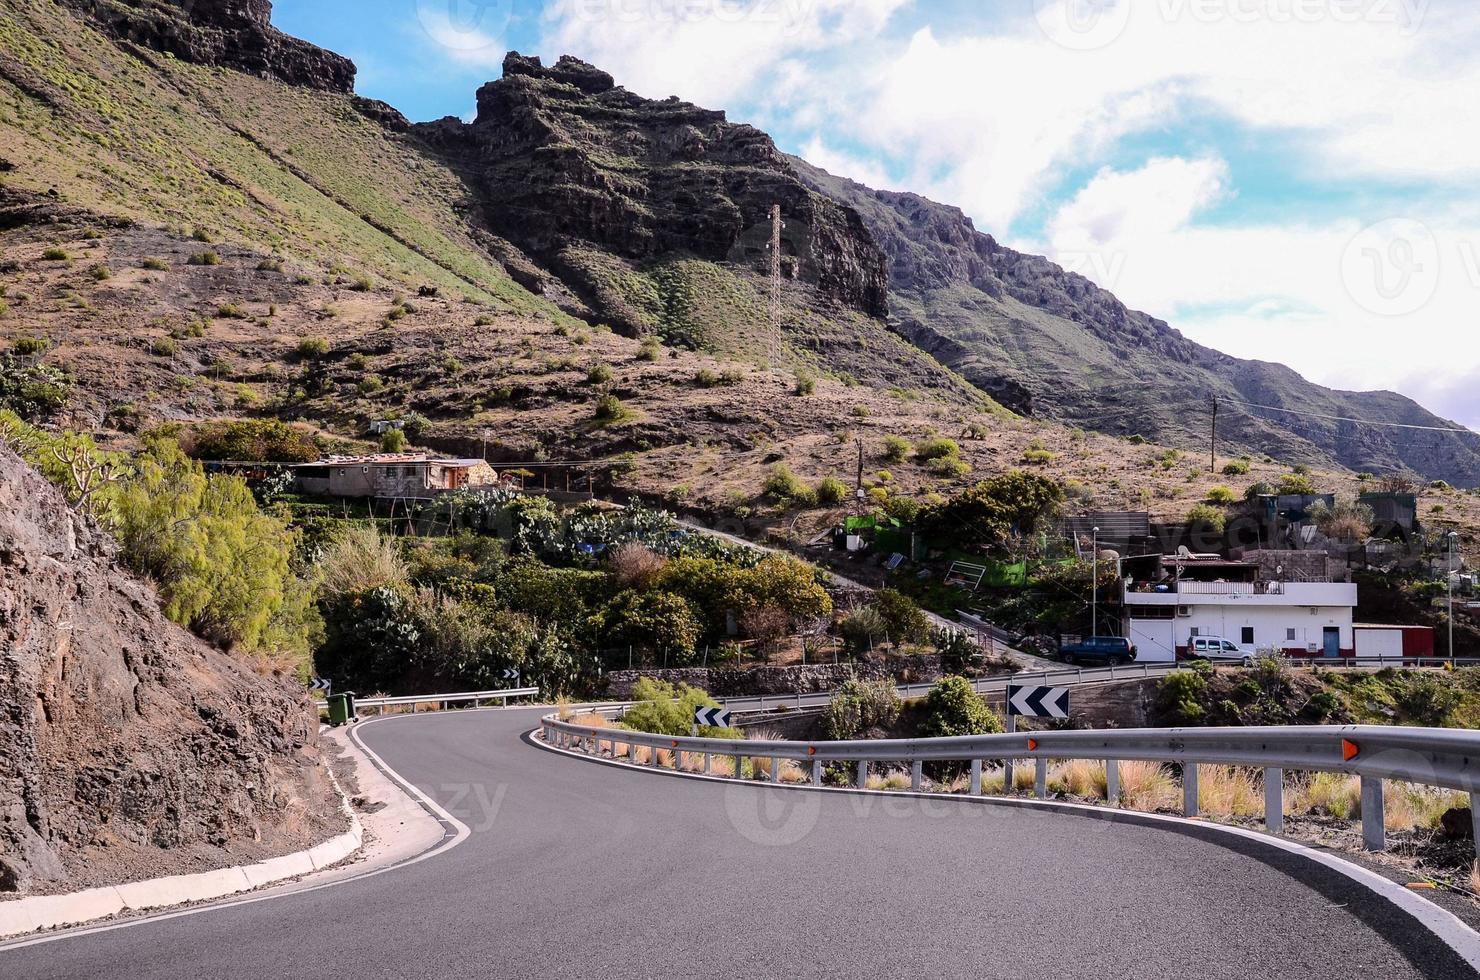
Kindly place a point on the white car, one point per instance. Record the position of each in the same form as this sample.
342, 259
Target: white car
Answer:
1217, 648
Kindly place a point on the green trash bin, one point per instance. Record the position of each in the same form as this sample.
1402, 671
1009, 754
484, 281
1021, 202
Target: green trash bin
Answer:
338, 710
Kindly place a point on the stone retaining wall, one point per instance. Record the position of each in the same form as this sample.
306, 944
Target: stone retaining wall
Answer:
728, 682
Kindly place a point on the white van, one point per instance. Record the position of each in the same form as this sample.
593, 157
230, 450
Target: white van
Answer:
1217, 648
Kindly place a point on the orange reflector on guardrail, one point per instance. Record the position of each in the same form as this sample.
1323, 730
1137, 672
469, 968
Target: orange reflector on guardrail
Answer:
675, 744
811, 750
1349, 750
1032, 745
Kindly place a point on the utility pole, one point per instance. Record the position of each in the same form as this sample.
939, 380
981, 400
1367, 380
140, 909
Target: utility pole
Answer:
1094, 602
1213, 440
776, 227
858, 487
1453, 537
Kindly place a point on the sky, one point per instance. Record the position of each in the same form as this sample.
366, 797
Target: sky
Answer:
1286, 180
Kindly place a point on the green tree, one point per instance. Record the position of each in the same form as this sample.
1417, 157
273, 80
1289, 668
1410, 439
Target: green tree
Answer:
991, 513
268, 440
858, 706
663, 709
952, 708
904, 621
393, 441
657, 623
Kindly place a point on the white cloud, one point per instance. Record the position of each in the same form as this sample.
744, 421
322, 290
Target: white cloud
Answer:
475, 41
841, 164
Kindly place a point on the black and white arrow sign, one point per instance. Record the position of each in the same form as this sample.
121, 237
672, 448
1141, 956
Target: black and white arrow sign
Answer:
321, 684
711, 718
511, 674
1038, 702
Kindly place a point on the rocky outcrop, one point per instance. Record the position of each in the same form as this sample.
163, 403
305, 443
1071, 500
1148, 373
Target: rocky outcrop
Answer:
229, 33
564, 158
1045, 340
128, 748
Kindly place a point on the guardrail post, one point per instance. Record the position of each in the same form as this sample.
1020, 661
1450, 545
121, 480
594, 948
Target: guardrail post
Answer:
863, 774
917, 771
775, 769
1040, 778
739, 767
1112, 782
976, 777
708, 763
1374, 825
655, 761
1008, 780
1475, 816
1189, 789
817, 768
1274, 800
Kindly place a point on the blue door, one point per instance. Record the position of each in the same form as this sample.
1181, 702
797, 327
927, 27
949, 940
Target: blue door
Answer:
1333, 641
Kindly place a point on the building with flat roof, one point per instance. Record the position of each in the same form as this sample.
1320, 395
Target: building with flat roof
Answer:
392, 475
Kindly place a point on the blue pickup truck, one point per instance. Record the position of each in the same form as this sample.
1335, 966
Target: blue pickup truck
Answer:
1099, 651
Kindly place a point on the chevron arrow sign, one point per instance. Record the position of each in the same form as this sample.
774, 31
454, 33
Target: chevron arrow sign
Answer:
511, 674
1038, 702
711, 718
321, 684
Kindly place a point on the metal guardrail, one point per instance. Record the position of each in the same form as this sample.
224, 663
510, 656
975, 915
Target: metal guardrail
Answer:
473, 697
1440, 757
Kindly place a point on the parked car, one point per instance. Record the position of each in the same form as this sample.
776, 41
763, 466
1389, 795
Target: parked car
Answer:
1099, 651
1217, 649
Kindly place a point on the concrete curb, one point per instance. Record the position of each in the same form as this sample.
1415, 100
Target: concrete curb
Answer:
28, 915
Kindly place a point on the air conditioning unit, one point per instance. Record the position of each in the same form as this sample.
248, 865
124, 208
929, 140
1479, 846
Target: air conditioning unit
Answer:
1184, 611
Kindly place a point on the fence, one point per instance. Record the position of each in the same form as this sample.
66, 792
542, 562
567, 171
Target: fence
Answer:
472, 698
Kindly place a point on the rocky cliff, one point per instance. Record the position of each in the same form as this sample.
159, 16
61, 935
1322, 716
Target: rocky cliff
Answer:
565, 159
128, 748
1048, 342
228, 33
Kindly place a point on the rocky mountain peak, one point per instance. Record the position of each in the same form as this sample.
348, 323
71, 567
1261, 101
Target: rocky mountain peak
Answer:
228, 33
567, 71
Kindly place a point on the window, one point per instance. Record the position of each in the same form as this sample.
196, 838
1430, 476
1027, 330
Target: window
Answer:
1289, 634
1248, 637
1196, 632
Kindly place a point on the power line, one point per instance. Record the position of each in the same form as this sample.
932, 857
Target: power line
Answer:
1342, 418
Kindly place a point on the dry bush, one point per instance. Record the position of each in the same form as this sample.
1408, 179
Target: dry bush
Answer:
593, 719
360, 558
1229, 791
1024, 777
767, 625
1078, 777
792, 772
1148, 786
892, 780
1411, 806
636, 566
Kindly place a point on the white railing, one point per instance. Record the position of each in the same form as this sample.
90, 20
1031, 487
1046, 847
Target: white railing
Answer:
473, 698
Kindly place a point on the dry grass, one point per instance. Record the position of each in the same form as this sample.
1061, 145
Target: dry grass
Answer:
894, 779
1330, 794
1148, 786
1078, 777
1230, 791
792, 772
1409, 806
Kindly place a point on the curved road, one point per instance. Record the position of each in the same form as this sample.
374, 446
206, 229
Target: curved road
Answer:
577, 869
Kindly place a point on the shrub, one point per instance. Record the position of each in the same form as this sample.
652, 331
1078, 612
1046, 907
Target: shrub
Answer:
958, 651
609, 408
1136, 440
897, 449
861, 628
1208, 517
653, 622
357, 361
650, 350
362, 284
1181, 697
939, 448
33, 391
100, 273
29, 346
163, 347
705, 378
1222, 496
831, 491
636, 566
267, 440
230, 311
599, 375
952, 708
1260, 489
55, 255
661, 708
201, 234
1293, 483
950, 467
204, 258
270, 265
451, 366
1237, 467
1038, 457
805, 385
484, 320
990, 513
370, 384
393, 441
311, 348
784, 486
357, 559
858, 706
904, 621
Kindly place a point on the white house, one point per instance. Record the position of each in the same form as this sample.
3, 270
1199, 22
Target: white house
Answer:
1213, 597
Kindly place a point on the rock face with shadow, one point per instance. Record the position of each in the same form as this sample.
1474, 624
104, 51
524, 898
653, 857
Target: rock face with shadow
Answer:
129, 749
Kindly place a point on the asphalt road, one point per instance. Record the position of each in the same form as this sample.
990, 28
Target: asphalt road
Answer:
576, 869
